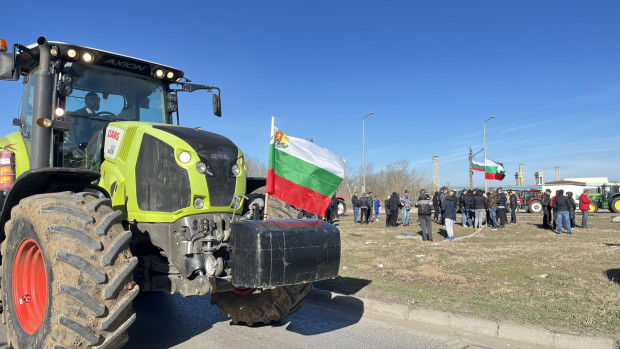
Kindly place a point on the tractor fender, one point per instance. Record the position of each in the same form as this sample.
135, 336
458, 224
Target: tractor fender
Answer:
47, 180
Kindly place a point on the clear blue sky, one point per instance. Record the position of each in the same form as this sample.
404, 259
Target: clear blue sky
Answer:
432, 71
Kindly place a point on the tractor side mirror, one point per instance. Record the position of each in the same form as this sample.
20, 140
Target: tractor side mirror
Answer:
217, 105
8, 69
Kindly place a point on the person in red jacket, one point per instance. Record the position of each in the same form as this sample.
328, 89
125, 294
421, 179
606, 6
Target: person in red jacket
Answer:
584, 206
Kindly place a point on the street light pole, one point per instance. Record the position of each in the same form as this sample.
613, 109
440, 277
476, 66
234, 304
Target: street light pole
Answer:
364, 154
484, 136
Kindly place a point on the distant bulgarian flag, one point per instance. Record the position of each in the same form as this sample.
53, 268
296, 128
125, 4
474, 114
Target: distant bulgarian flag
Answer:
494, 170
301, 173
477, 166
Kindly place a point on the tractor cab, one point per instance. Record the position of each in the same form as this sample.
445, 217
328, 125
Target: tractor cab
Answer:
88, 99
91, 88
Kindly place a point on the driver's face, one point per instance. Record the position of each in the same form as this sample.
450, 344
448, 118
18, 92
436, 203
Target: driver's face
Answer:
92, 102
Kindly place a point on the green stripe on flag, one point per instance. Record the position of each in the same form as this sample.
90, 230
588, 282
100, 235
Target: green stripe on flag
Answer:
305, 174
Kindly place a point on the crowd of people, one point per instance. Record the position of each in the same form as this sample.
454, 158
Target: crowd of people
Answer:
477, 207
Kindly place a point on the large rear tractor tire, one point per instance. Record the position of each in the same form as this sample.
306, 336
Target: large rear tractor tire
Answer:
614, 205
67, 273
261, 306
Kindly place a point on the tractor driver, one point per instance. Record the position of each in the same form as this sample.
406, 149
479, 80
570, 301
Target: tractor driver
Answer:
91, 105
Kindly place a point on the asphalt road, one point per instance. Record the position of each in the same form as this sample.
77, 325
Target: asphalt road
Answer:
170, 321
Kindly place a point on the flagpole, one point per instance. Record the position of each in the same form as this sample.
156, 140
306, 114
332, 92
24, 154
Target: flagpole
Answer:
271, 139
484, 136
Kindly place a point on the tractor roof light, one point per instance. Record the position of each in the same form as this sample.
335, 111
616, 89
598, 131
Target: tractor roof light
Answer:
88, 57
54, 51
72, 53
3, 45
159, 73
170, 75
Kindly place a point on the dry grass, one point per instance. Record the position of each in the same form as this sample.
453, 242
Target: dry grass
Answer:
521, 273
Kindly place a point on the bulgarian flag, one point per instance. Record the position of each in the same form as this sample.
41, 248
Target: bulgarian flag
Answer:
477, 166
494, 170
301, 173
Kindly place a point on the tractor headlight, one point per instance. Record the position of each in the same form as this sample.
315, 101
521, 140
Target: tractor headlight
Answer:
235, 170
199, 203
185, 157
201, 167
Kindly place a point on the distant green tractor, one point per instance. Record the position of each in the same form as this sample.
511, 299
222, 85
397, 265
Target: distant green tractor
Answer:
609, 197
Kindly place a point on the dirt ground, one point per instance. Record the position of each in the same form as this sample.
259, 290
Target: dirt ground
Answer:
522, 272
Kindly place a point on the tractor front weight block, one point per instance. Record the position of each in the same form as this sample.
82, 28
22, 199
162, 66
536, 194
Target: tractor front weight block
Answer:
283, 252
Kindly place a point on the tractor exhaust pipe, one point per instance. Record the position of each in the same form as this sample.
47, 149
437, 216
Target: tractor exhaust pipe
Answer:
42, 108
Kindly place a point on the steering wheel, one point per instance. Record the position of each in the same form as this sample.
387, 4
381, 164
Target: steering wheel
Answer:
105, 113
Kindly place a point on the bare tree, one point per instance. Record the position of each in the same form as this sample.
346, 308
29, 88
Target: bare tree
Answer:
396, 177
255, 168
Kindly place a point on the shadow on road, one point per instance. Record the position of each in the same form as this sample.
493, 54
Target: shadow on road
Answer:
343, 285
165, 320
340, 312
613, 275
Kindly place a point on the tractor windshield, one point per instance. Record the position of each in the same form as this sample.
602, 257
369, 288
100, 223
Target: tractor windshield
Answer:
99, 96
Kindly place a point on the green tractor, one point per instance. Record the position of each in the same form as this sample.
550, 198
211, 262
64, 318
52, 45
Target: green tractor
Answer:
103, 197
608, 197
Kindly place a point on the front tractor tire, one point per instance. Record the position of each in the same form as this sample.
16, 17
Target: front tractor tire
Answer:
593, 207
67, 273
253, 306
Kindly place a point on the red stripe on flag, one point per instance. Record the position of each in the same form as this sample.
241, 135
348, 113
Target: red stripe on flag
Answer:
495, 176
270, 187
296, 195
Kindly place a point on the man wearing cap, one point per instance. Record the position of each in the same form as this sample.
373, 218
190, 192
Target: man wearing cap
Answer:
546, 202
406, 202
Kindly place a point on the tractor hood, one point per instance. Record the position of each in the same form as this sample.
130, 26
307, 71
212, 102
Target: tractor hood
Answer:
170, 169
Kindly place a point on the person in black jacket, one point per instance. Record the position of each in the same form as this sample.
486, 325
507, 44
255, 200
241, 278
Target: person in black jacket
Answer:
436, 207
571, 209
480, 207
502, 200
561, 205
448, 209
364, 209
332, 210
424, 205
469, 202
514, 204
545, 201
465, 219
394, 205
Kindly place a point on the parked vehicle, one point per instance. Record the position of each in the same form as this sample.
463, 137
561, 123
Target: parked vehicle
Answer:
608, 197
530, 200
